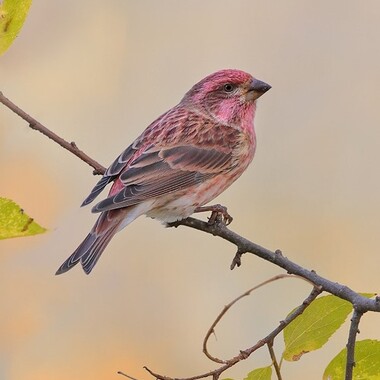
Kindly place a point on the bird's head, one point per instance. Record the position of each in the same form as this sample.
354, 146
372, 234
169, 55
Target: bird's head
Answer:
229, 96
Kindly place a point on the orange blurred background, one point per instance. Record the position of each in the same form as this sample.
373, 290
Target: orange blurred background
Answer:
98, 73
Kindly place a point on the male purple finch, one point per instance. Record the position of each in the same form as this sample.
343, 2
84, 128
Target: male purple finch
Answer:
182, 161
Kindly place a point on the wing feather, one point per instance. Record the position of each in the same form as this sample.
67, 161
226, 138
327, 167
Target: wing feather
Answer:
111, 173
168, 170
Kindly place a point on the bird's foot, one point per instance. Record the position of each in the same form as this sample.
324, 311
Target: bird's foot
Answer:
218, 214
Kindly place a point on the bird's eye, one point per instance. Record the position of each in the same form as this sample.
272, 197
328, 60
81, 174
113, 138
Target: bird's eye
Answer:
228, 87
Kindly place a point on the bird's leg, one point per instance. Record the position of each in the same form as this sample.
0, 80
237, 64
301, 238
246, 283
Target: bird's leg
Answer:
218, 212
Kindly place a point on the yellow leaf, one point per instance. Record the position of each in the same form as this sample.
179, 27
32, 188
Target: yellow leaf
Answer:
14, 222
367, 362
312, 329
12, 16
264, 373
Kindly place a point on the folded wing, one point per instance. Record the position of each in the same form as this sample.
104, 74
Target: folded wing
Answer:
158, 172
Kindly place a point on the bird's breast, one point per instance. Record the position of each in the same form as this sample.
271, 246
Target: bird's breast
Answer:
244, 150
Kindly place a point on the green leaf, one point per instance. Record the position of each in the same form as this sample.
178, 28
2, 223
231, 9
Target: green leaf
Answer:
367, 362
14, 222
312, 329
264, 373
12, 16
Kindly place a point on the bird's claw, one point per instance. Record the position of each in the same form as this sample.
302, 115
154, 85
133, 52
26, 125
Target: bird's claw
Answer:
219, 214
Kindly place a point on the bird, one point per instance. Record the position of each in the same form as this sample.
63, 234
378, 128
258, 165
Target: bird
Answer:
181, 161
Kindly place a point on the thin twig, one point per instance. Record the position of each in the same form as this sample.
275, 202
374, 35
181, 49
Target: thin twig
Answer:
211, 330
236, 261
246, 353
354, 330
124, 374
34, 124
274, 359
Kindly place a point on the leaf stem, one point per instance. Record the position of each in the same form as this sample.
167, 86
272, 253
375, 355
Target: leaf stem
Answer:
354, 330
274, 359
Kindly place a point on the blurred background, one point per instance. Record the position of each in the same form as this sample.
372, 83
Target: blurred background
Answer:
98, 73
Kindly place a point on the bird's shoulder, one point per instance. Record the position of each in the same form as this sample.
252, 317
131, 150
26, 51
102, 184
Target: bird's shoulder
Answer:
187, 126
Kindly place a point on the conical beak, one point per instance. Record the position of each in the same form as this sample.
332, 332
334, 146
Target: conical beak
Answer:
257, 88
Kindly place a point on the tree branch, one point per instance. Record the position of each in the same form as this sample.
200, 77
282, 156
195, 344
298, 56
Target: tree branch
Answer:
244, 245
70, 146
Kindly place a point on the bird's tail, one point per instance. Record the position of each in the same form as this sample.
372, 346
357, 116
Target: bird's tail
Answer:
89, 251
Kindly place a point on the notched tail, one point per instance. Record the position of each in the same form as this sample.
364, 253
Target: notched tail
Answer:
89, 252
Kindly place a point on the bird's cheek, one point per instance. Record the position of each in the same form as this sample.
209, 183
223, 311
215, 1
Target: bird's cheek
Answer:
250, 96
